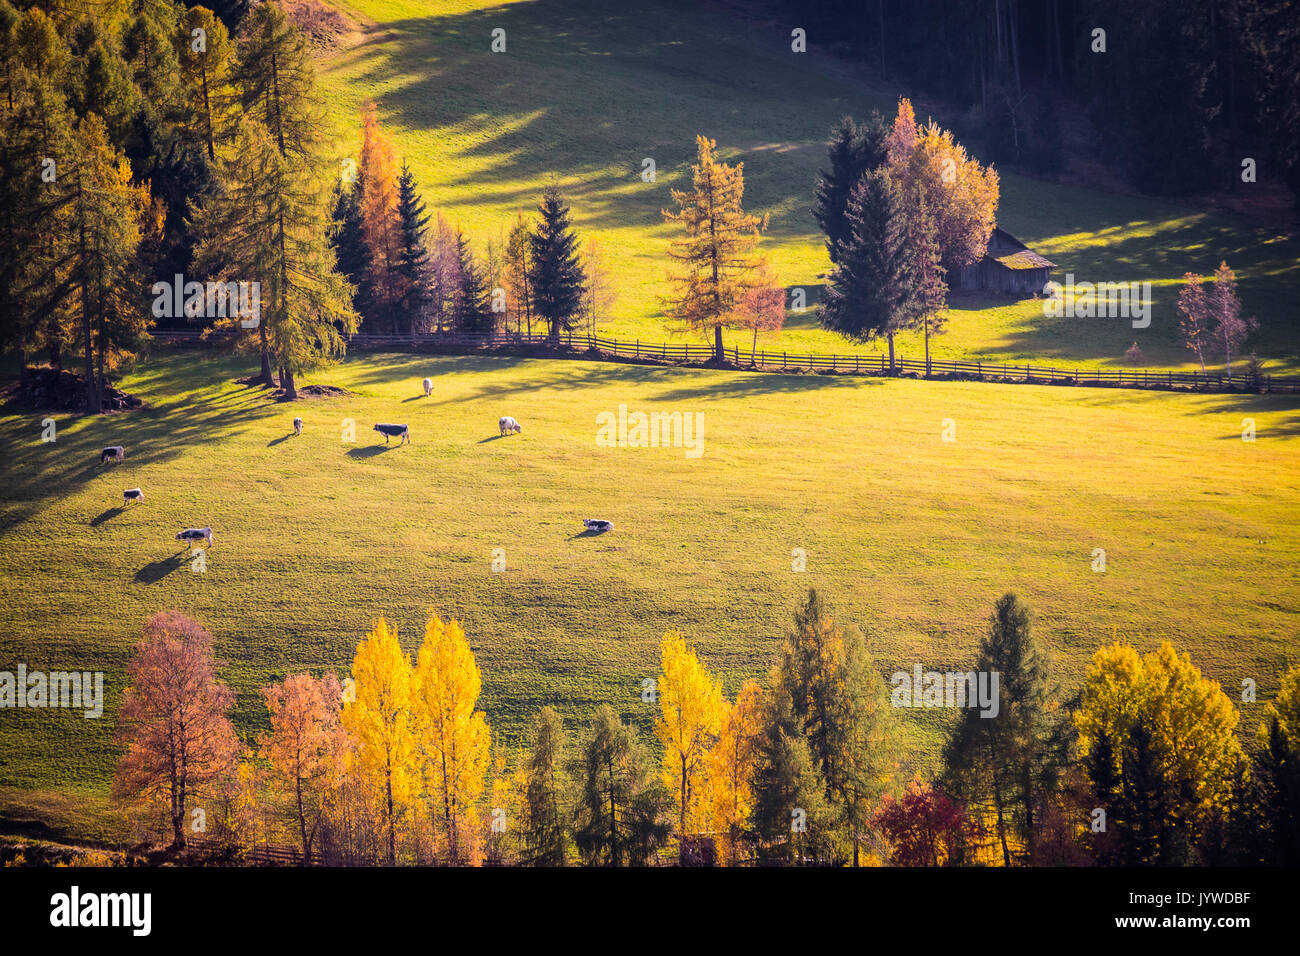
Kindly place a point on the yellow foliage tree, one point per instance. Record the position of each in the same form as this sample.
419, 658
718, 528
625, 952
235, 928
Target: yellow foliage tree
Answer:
1285, 709
453, 738
377, 713
1184, 722
729, 766
960, 194
691, 710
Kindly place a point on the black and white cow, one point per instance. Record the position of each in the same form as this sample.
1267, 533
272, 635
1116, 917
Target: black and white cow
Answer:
114, 452
130, 495
297, 426
196, 534
598, 524
395, 431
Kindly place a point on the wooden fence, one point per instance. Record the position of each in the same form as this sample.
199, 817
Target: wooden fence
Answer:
578, 345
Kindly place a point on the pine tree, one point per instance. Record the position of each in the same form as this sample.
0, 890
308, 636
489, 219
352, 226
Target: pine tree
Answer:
873, 290
715, 256
853, 151
556, 277
349, 246
544, 828
413, 263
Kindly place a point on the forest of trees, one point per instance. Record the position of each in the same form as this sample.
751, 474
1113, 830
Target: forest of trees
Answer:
396, 764
1203, 84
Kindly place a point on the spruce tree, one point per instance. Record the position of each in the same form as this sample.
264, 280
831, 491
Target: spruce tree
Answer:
854, 149
413, 259
350, 249
472, 305
789, 816
556, 276
544, 828
1006, 763
873, 289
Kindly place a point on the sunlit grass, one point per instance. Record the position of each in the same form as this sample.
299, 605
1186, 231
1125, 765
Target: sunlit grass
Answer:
587, 89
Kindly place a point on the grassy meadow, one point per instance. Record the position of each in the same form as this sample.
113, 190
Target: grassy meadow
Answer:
911, 537
586, 90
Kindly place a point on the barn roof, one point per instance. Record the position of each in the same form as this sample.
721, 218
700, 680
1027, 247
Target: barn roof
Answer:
1009, 252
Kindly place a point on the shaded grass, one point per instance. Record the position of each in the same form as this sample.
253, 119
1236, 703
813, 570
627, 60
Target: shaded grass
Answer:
910, 537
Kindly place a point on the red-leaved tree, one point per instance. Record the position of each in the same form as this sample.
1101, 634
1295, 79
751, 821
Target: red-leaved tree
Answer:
923, 828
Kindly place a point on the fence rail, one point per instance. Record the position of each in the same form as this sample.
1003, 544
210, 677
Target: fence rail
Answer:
763, 360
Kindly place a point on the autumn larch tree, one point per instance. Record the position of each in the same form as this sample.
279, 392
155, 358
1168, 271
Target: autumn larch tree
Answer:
303, 747
205, 73
1194, 307
730, 766
714, 258
928, 164
174, 725
518, 266
378, 716
690, 717
452, 737
762, 308
381, 220
556, 279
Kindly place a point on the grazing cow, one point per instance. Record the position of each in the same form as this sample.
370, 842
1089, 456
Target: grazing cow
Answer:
130, 495
196, 534
115, 452
395, 431
428, 387
598, 524
297, 426
508, 424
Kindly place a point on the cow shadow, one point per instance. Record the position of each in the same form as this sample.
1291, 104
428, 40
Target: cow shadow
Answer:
589, 533
491, 438
370, 451
276, 441
155, 571
105, 516
414, 398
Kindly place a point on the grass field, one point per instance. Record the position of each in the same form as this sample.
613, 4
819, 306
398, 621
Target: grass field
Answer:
586, 90
912, 538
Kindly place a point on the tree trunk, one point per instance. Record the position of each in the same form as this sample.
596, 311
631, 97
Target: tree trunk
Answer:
719, 354
891, 352
287, 383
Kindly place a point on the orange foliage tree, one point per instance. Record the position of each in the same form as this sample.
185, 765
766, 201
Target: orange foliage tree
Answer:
174, 722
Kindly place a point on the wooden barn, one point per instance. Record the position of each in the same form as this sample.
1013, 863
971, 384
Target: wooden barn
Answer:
1008, 266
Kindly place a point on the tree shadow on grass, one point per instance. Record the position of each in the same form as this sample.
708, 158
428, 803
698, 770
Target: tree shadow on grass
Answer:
155, 571
104, 516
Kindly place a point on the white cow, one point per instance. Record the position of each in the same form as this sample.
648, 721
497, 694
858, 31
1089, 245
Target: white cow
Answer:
297, 426
428, 387
508, 425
